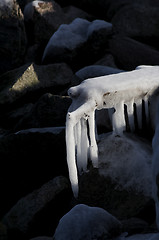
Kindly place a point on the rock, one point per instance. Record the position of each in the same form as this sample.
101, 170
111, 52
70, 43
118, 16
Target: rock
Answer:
148, 236
133, 170
42, 20
31, 78
48, 111
129, 54
41, 238
84, 222
137, 21
29, 159
13, 37
71, 12
3, 232
22, 214
107, 60
95, 71
122, 185
134, 226
71, 43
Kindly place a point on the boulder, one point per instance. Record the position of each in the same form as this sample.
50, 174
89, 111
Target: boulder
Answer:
129, 53
95, 71
50, 110
85, 222
13, 37
42, 19
29, 159
79, 40
23, 214
123, 184
31, 78
106, 60
137, 21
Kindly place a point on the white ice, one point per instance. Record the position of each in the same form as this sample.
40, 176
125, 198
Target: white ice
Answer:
112, 91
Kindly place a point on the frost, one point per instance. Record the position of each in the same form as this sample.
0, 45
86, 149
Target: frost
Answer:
130, 89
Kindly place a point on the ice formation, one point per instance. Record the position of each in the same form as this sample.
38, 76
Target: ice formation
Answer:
128, 89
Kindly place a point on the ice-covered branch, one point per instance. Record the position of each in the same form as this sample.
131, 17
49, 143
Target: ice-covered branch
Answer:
130, 89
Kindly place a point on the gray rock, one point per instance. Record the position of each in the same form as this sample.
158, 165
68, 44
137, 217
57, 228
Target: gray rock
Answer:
30, 159
84, 222
96, 71
129, 54
48, 111
22, 213
71, 43
137, 21
31, 78
13, 37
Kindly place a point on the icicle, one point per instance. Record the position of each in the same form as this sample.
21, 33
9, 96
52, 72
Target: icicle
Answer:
118, 119
84, 145
93, 144
146, 109
139, 112
130, 111
70, 143
78, 145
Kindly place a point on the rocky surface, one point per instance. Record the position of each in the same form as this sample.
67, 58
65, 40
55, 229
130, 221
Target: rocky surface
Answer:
46, 47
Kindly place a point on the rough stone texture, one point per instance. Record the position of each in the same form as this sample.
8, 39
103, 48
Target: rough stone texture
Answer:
28, 78
48, 111
129, 54
137, 21
28, 160
42, 20
22, 213
13, 37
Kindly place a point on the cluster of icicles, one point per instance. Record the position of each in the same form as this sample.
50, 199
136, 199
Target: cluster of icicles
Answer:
112, 91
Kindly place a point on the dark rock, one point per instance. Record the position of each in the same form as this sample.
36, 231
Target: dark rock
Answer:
28, 160
129, 54
95, 71
38, 208
32, 78
49, 111
13, 37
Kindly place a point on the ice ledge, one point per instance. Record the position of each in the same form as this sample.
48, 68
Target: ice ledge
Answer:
134, 88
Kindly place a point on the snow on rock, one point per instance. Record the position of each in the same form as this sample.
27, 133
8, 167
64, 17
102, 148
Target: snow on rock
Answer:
84, 222
127, 161
112, 91
73, 35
